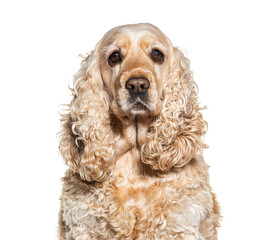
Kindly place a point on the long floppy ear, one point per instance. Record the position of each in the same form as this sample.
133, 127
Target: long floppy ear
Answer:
174, 137
86, 139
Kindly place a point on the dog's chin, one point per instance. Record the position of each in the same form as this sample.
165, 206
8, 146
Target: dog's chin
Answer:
135, 109
129, 111
139, 109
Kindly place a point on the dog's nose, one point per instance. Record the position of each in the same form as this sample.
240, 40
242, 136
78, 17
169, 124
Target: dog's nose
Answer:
137, 85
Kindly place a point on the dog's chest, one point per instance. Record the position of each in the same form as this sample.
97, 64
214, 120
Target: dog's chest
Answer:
130, 206
129, 211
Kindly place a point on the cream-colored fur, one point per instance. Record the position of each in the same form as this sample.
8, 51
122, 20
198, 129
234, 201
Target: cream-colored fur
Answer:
135, 173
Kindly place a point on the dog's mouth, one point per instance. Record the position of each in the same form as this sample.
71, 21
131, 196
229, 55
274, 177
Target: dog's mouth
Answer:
131, 106
138, 107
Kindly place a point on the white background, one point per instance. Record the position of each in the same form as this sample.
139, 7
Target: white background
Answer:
231, 45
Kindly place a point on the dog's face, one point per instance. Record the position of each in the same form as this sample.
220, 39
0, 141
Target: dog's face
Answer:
134, 62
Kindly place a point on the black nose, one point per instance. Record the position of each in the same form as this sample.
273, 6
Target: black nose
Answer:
137, 85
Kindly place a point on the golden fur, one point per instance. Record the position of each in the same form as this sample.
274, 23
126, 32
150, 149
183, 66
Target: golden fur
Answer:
135, 174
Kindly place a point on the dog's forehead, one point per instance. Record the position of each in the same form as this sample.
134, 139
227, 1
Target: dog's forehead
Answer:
133, 35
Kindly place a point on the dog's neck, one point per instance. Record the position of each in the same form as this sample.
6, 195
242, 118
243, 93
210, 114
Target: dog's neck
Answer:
130, 132
130, 135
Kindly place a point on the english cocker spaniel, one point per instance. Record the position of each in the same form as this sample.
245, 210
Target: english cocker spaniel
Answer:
132, 141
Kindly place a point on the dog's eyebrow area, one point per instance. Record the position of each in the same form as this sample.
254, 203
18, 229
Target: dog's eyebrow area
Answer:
160, 47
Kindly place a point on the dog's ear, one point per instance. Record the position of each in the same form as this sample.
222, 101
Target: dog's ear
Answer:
86, 138
174, 137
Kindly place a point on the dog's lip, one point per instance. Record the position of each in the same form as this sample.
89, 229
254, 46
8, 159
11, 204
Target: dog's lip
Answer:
133, 107
139, 105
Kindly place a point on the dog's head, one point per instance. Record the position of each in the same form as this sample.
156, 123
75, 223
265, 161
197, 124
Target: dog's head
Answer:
133, 72
134, 62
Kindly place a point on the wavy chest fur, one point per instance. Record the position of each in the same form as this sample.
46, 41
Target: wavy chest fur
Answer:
134, 206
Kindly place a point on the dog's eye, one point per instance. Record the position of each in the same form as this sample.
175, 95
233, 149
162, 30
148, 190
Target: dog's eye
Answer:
114, 58
157, 56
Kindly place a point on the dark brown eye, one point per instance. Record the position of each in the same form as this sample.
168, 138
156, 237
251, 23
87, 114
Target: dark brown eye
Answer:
114, 58
157, 56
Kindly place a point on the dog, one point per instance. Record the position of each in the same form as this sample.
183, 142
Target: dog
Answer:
132, 140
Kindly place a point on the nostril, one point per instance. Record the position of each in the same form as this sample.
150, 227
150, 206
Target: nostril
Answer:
131, 85
145, 85
137, 85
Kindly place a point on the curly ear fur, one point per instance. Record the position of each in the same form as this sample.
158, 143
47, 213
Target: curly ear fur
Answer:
86, 140
174, 137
